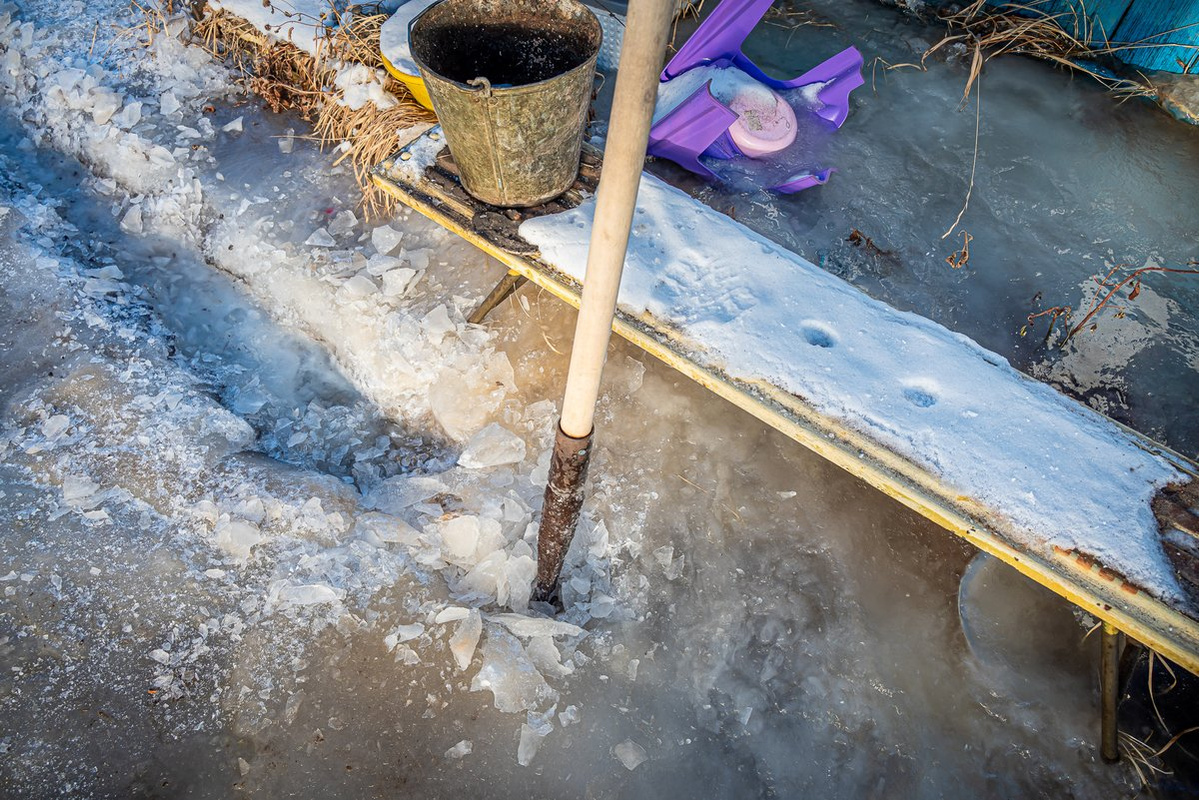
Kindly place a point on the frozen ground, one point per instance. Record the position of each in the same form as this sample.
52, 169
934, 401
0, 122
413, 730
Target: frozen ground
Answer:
255, 514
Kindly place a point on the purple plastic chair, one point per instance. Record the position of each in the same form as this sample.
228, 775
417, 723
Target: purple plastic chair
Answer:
700, 124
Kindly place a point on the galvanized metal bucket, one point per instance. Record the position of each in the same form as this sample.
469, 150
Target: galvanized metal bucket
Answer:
510, 82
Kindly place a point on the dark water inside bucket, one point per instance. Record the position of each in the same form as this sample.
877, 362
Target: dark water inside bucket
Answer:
506, 54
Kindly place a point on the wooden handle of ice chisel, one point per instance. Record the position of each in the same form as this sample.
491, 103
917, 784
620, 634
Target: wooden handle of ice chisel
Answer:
624, 154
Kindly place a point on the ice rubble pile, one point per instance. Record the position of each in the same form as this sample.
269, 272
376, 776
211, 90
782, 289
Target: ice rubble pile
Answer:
299, 548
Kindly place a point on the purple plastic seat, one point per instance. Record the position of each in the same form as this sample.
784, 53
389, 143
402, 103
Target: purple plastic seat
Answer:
700, 124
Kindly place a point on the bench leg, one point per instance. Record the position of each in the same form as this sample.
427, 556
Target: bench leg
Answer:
1109, 691
504, 289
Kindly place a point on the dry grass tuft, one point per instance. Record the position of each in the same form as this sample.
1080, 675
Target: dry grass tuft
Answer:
289, 79
1062, 38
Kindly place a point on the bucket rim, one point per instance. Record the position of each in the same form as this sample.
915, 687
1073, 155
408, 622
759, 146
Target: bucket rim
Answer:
589, 63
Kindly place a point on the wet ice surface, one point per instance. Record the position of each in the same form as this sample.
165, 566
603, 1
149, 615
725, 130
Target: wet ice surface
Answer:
194, 603
1068, 184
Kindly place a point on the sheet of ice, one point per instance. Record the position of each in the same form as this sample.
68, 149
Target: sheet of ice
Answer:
1059, 473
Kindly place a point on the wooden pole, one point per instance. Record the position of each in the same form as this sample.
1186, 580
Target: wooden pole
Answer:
636, 90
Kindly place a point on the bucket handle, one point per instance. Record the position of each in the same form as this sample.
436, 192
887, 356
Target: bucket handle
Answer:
483, 85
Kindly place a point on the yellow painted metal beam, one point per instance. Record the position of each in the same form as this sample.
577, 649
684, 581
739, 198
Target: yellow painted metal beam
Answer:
1102, 594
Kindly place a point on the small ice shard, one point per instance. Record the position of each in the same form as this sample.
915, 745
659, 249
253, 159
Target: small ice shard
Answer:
320, 238
399, 493
237, 537
161, 656
462, 403
343, 223
386, 239
462, 643
377, 264
287, 142
359, 286
105, 104
630, 754
235, 126
128, 116
405, 633
488, 578
437, 323
167, 103
520, 571
451, 614
460, 536
417, 259
55, 426
307, 594
77, 489
132, 221
515, 683
214, 573
545, 656
527, 748
491, 447
459, 750
243, 766
380, 528
397, 281
526, 627
568, 716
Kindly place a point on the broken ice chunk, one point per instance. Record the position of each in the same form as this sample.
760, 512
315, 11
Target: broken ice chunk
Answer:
451, 614
460, 536
287, 142
459, 750
386, 239
525, 627
397, 281
132, 221
168, 103
491, 447
343, 223
546, 658
129, 116
77, 489
237, 537
437, 323
568, 716
55, 426
514, 681
404, 633
630, 754
462, 643
528, 746
359, 286
320, 238
461, 404
234, 126
307, 594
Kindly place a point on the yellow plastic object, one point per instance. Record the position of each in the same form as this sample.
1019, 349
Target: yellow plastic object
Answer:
413, 82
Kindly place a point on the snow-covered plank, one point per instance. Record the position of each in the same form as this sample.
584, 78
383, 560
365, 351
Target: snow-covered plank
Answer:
924, 414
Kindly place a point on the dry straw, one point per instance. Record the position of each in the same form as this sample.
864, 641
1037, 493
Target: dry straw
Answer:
290, 79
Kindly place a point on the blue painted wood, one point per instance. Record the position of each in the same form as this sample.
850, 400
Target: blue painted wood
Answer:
1146, 20
1130, 22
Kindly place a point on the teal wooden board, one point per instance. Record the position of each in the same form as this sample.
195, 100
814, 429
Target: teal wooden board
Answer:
1145, 23
1164, 30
